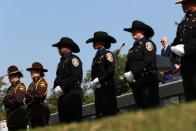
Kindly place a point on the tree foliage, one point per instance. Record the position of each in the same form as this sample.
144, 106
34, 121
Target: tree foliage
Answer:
122, 85
2, 92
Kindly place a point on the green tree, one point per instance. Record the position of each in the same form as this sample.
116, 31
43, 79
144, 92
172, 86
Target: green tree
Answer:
2, 90
121, 83
88, 93
2, 93
51, 100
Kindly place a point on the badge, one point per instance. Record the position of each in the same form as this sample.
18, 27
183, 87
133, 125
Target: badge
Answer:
149, 46
75, 62
109, 57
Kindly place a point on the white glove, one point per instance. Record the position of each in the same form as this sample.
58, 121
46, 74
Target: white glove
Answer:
58, 91
129, 76
24, 102
95, 83
178, 49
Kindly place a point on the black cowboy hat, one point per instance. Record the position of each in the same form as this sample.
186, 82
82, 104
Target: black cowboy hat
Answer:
138, 25
184, 1
179, 1
37, 66
13, 70
101, 36
67, 42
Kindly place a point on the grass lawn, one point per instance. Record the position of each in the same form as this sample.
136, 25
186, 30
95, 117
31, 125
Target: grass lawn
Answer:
173, 118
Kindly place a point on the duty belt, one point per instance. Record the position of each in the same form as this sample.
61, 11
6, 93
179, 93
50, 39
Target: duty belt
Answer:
146, 71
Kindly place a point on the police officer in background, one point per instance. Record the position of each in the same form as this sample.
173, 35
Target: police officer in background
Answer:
15, 110
140, 69
68, 80
184, 46
102, 75
38, 112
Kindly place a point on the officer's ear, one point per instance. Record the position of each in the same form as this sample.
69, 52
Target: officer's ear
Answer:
107, 46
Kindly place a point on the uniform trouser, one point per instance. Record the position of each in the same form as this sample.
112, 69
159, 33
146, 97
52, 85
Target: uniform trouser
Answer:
146, 92
70, 106
16, 119
105, 100
38, 121
189, 83
38, 114
18, 128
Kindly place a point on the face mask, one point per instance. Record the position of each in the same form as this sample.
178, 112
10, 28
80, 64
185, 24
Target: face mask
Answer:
35, 75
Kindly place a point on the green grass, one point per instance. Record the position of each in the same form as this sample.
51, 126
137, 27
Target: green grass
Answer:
173, 118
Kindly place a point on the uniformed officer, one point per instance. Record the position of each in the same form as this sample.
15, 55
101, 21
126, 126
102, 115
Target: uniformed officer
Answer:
15, 110
184, 46
68, 80
102, 74
140, 69
38, 112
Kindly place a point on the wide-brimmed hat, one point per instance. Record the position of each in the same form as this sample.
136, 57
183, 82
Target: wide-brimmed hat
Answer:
37, 66
184, 1
138, 25
67, 42
180, 1
101, 36
13, 70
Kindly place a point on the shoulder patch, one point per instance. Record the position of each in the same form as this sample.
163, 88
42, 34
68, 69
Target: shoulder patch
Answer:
149, 46
43, 83
109, 57
75, 62
194, 20
22, 88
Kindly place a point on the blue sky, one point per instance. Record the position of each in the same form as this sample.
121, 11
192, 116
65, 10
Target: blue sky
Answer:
28, 28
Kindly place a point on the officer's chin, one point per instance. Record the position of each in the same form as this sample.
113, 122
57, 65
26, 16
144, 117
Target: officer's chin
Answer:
95, 47
61, 53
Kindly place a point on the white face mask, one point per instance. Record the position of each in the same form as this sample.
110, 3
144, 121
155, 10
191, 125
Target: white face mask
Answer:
35, 74
13, 79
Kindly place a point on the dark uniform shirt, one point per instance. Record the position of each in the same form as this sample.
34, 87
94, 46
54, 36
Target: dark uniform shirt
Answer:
186, 34
103, 66
14, 95
37, 90
141, 58
13, 102
69, 72
38, 112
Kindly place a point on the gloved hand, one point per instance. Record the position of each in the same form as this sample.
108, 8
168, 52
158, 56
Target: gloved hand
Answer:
27, 100
25, 103
95, 83
129, 76
58, 91
178, 49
